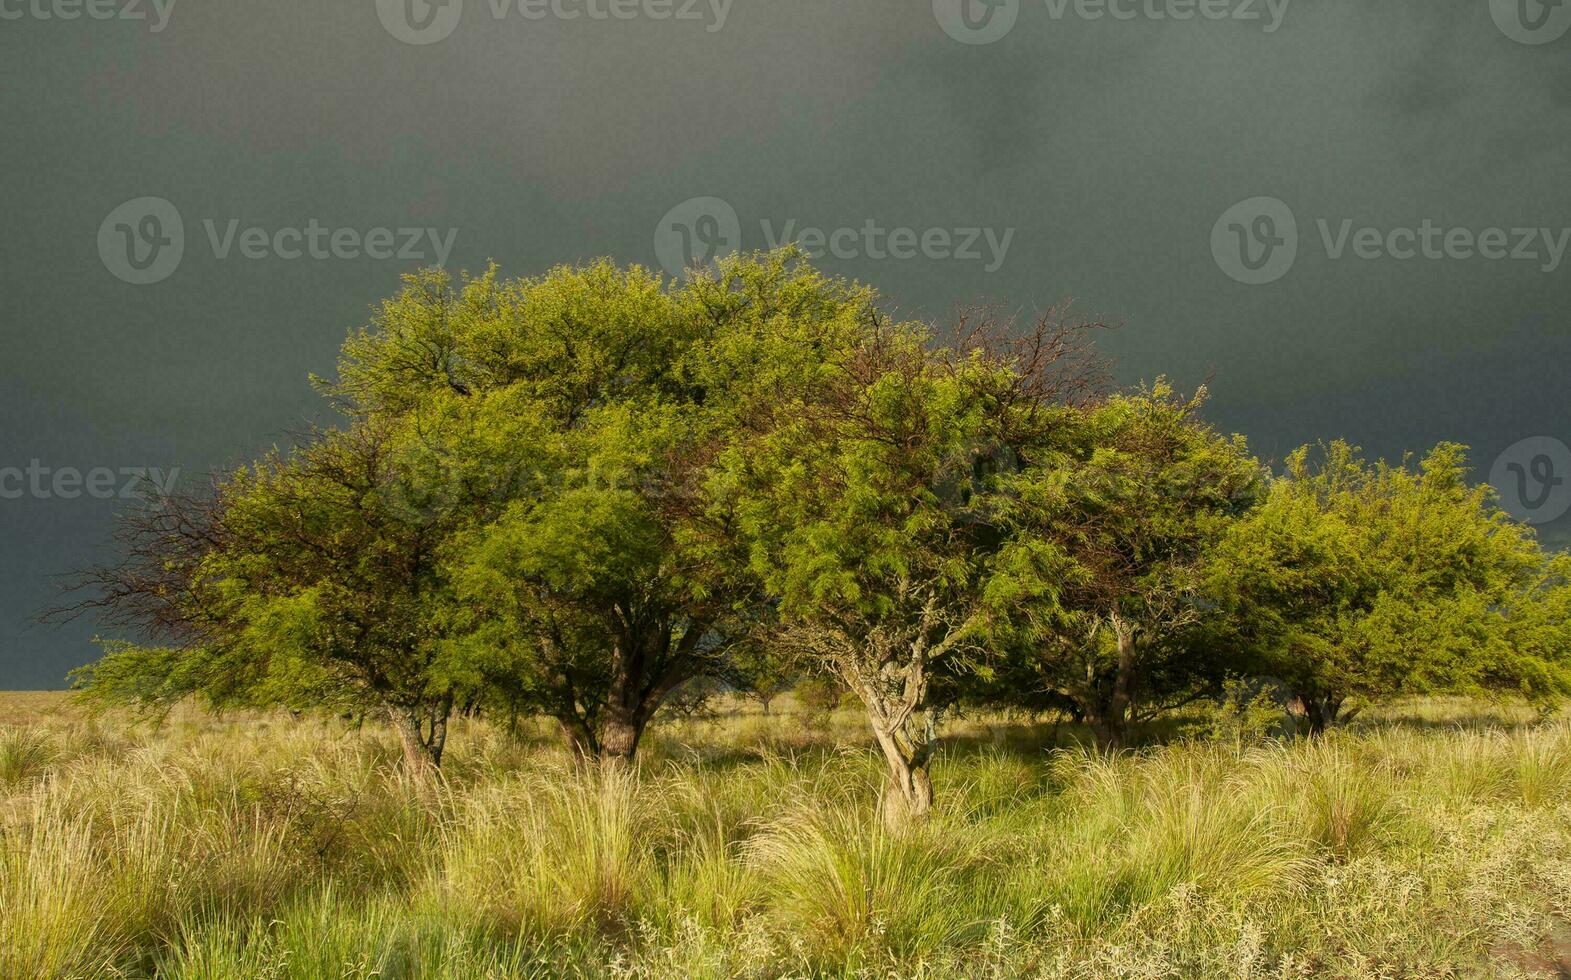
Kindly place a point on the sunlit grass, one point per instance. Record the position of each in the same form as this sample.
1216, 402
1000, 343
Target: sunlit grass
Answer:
1419, 842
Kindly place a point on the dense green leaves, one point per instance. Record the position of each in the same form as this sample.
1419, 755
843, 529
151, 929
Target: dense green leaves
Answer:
573, 494
575, 422
1110, 537
1363, 580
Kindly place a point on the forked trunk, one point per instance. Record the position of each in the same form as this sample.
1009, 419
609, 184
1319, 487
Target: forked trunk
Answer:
905, 729
420, 760
637, 691
1321, 712
422, 745
910, 797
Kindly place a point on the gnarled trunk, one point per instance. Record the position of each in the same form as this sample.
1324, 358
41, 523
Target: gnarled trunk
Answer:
911, 787
904, 728
422, 740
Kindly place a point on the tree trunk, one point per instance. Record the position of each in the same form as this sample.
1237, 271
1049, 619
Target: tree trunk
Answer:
624, 727
763, 700
1321, 711
1108, 715
911, 788
437, 740
638, 689
905, 729
418, 758
1110, 729
578, 737
421, 740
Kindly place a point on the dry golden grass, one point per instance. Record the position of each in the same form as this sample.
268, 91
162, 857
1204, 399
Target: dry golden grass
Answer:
37, 707
1432, 839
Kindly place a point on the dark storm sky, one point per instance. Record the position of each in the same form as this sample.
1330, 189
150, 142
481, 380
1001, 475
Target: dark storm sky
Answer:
1105, 149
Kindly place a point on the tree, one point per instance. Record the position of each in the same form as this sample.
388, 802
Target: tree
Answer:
762, 670
298, 583
1110, 538
870, 503
1374, 581
571, 422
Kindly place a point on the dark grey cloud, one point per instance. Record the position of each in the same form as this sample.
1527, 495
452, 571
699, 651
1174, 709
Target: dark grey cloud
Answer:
1109, 147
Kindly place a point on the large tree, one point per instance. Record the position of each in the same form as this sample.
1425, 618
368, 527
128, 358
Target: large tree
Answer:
1376, 580
572, 422
516, 515
299, 581
1104, 601
872, 506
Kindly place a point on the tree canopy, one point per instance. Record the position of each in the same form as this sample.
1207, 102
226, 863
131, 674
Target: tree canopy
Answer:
571, 495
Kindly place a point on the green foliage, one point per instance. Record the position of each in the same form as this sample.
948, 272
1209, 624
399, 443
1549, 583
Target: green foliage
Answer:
126, 674
1376, 581
1104, 597
575, 494
820, 693
869, 506
762, 670
1246, 712
609, 576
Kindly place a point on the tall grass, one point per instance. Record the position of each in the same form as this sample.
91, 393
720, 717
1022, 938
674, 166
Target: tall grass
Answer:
25, 754
276, 847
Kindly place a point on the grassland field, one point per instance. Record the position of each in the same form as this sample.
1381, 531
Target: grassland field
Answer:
1429, 839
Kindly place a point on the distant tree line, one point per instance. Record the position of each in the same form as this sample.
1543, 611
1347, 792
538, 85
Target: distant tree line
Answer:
572, 495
